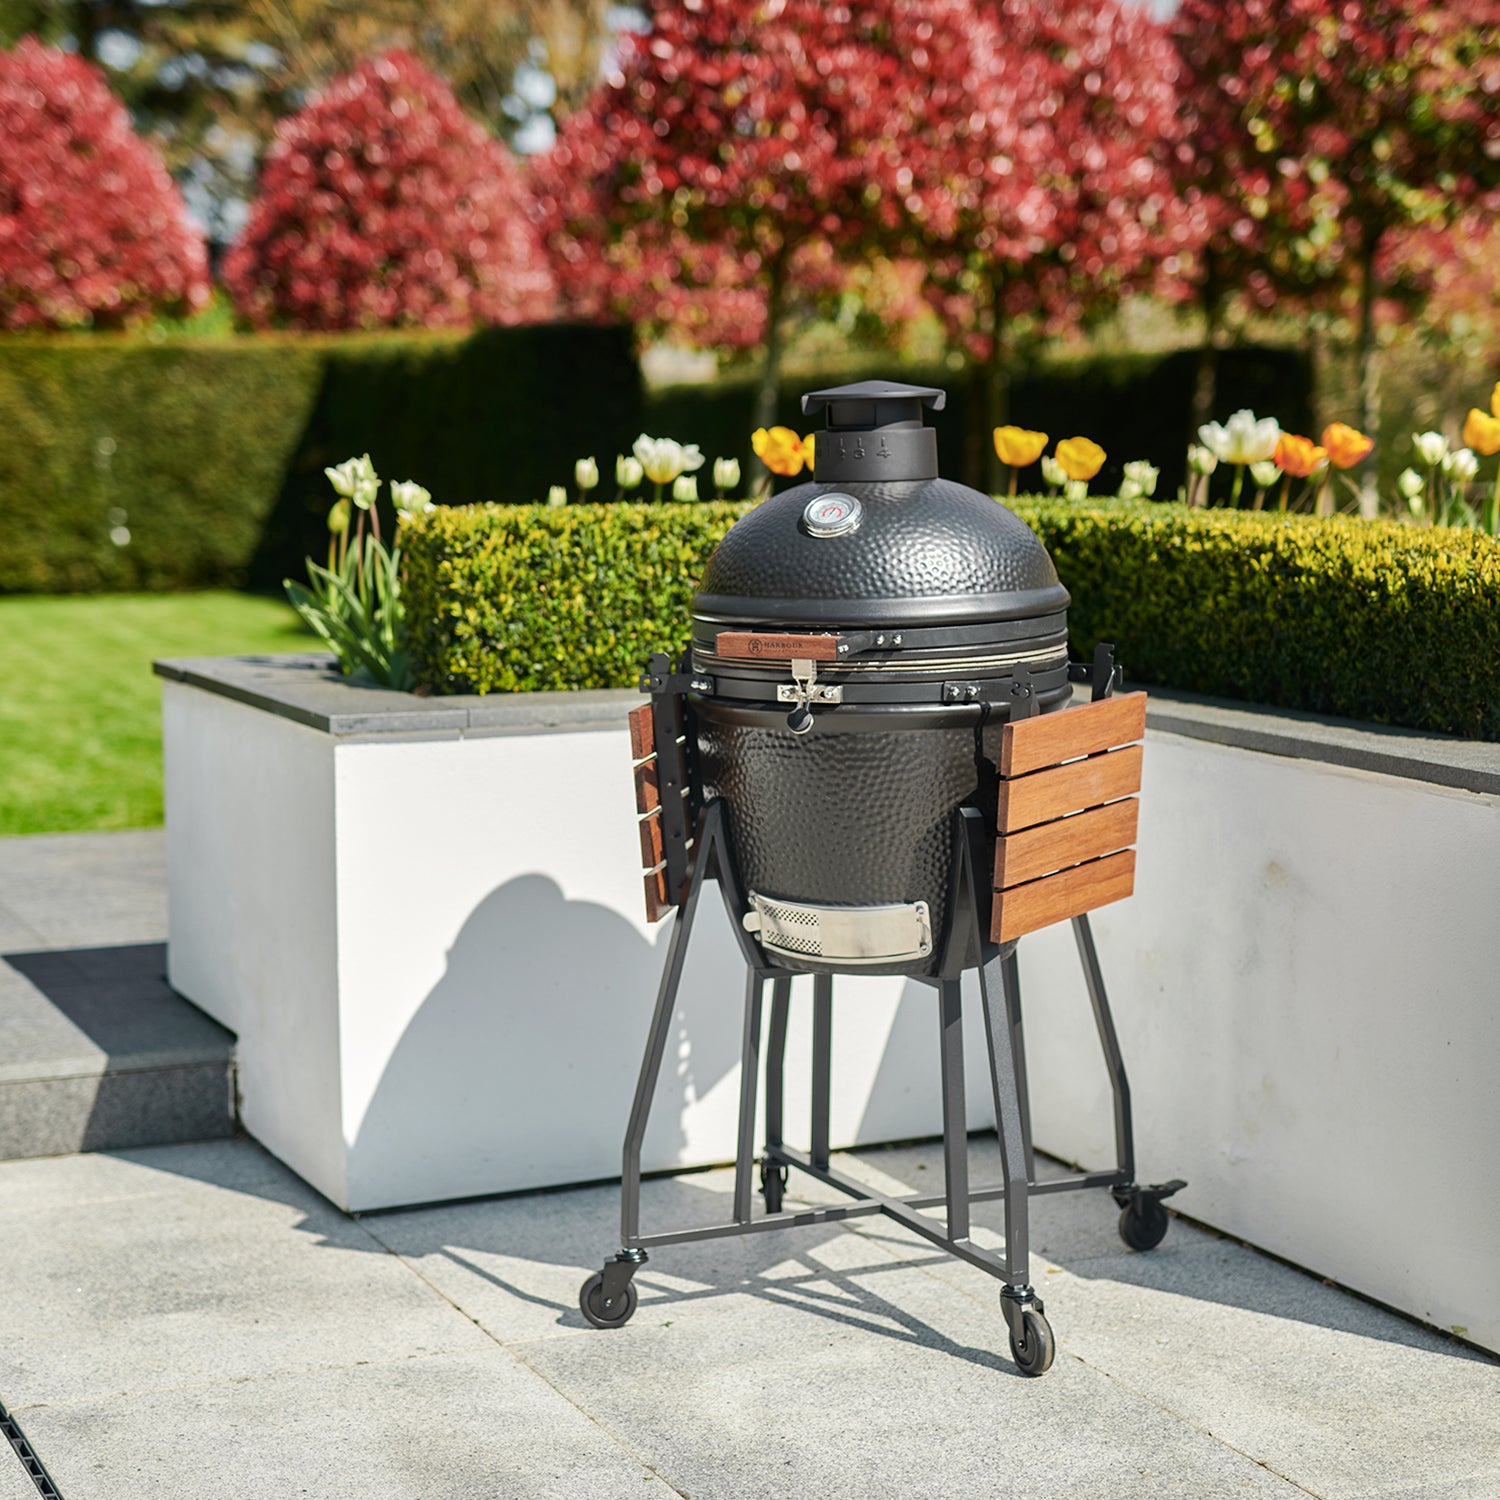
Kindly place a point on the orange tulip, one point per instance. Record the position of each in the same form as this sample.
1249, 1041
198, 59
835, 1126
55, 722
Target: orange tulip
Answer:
1080, 457
780, 450
1298, 456
1018, 447
1482, 431
1346, 446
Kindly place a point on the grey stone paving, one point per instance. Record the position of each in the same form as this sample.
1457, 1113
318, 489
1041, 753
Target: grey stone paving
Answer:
193, 1321
96, 1052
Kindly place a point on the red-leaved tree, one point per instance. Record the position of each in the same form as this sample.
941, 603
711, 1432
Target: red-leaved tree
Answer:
1319, 129
733, 146
1070, 203
382, 204
92, 229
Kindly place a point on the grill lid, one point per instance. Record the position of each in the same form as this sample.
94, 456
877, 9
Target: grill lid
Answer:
878, 538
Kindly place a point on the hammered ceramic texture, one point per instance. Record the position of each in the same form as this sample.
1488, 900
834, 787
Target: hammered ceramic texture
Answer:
920, 539
846, 819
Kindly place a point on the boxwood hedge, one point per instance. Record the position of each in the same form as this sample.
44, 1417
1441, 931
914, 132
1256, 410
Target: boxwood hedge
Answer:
1368, 620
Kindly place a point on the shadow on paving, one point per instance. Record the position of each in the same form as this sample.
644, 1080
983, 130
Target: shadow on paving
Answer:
551, 1239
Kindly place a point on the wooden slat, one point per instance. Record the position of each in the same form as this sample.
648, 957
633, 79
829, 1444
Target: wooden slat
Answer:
1040, 903
1030, 744
642, 732
653, 850
657, 904
646, 796
1059, 790
776, 647
1054, 846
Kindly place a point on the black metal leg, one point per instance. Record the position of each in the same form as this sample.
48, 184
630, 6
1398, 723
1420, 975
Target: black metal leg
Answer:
1104, 1022
955, 1114
781, 996
755, 982
656, 1045
1005, 1078
1010, 974
822, 1064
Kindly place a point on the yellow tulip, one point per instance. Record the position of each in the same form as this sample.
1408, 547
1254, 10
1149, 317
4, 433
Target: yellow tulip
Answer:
1080, 457
1018, 447
1495, 399
1482, 431
779, 449
809, 446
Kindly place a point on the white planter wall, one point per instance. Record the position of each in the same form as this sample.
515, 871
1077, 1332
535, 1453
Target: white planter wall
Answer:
426, 928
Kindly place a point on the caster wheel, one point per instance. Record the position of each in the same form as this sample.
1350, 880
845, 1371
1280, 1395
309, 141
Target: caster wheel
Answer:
772, 1187
1143, 1224
1033, 1354
591, 1303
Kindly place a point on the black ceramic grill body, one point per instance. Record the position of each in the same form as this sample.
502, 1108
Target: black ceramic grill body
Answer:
949, 617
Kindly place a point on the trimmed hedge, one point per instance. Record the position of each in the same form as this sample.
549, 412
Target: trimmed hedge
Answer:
1369, 620
526, 598
1364, 619
215, 451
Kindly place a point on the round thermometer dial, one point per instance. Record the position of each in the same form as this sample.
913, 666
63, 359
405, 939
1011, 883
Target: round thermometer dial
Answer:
833, 514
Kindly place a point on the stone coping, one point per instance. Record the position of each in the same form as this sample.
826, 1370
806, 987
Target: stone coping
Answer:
306, 689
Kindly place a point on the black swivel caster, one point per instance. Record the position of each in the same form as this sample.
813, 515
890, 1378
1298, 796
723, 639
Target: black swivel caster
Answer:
600, 1312
772, 1185
1143, 1220
1031, 1343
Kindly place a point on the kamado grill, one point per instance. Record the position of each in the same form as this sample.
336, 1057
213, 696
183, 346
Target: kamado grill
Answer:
870, 749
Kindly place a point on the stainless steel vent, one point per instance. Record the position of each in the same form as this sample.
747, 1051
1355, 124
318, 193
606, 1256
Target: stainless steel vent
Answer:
841, 934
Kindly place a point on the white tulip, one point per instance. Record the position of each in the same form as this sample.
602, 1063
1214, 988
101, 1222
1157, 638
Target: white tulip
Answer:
628, 471
1411, 484
1140, 478
1076, 489
557, 496
410, 499
1461, 465
685, 487
1052, 471
1242, 439
1431, 448
355, 479
663, 459
726, 474
585, 474
1264, 473
1202, 460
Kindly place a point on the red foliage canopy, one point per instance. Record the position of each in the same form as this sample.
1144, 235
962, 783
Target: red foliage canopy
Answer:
1071, 201
1316, 126
92, 229
381, 204
734, 146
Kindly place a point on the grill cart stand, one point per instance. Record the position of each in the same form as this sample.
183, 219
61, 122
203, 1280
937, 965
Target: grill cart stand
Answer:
1073, 828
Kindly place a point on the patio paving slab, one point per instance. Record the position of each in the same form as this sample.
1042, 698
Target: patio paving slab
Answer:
472, 1426
185, 1311
190, 1265
84, 889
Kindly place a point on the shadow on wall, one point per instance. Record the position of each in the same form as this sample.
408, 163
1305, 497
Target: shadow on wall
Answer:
529, 1046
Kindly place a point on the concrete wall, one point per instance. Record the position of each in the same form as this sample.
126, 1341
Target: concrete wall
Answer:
429, 937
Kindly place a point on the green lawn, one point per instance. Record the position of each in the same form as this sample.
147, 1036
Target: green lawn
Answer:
80, 711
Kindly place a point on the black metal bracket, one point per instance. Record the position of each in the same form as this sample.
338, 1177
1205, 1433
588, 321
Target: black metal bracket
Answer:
660, 678
1102, 673
1138, 1195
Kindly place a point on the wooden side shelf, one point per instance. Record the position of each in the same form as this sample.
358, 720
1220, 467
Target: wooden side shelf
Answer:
648, 805
1067, 814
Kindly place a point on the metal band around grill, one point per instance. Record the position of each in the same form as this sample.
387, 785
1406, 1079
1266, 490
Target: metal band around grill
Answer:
841, 934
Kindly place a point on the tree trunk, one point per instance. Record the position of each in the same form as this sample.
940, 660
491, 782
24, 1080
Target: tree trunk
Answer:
1369, 371
769, 391
1206, 380
996, 397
